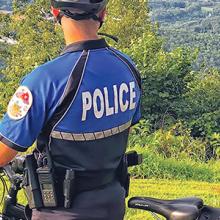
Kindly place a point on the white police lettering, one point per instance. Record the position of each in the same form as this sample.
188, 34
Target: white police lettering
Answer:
87, 104
98, 95
122, 91
132, 95
116, 98
109, 110
99, 101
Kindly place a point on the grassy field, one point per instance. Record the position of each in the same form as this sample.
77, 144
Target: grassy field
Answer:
209, 192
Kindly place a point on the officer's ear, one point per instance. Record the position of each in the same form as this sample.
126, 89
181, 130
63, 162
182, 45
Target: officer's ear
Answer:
57, 14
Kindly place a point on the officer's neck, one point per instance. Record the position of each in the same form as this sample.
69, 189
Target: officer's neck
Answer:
75, 31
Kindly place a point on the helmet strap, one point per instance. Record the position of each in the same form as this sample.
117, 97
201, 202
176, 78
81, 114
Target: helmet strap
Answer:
79, 17
96, 18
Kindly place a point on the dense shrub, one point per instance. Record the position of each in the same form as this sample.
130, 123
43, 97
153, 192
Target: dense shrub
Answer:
175, 142
165, 78
202, 104
155, 166
172, 91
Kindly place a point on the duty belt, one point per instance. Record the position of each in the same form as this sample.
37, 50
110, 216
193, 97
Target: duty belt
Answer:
89, 180
83, 181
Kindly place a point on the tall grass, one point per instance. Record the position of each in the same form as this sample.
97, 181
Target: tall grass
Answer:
156, 166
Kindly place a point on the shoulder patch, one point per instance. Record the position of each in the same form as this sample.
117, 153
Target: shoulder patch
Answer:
20, 103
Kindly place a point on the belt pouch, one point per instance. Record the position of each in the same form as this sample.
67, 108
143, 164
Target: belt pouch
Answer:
69, 188
31, 183
123, 175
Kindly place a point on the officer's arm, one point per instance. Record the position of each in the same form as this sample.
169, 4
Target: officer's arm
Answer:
6, 154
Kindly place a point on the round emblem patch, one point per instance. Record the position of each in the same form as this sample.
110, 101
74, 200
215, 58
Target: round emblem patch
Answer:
20, 103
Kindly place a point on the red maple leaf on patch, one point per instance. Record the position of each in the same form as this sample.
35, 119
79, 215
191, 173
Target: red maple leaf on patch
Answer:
25, 98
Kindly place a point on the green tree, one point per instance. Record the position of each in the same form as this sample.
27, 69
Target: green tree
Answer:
165, 77
128, 20
38, 41
202, 104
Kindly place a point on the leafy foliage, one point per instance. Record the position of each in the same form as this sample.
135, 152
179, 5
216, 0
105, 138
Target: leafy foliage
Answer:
202, 103
156, 166
38, 41
124, 22
172, 91
175, 143
165, 77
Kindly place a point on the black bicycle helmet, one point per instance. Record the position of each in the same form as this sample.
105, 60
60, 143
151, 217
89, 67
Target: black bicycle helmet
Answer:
79, 9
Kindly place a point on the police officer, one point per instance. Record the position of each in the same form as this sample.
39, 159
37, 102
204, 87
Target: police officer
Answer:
84, 102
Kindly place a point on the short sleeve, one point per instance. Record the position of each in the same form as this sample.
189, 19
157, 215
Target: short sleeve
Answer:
29, 109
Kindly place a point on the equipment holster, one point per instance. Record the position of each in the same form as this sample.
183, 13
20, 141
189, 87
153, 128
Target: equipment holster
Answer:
129, 159
31, 183
39, 181
123, 175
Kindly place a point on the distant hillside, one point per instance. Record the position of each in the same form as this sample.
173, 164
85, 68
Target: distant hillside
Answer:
5, 5
194, 23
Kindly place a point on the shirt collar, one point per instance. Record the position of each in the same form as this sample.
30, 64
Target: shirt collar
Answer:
85, 45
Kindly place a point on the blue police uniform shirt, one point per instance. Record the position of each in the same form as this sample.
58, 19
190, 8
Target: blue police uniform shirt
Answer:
106, 104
